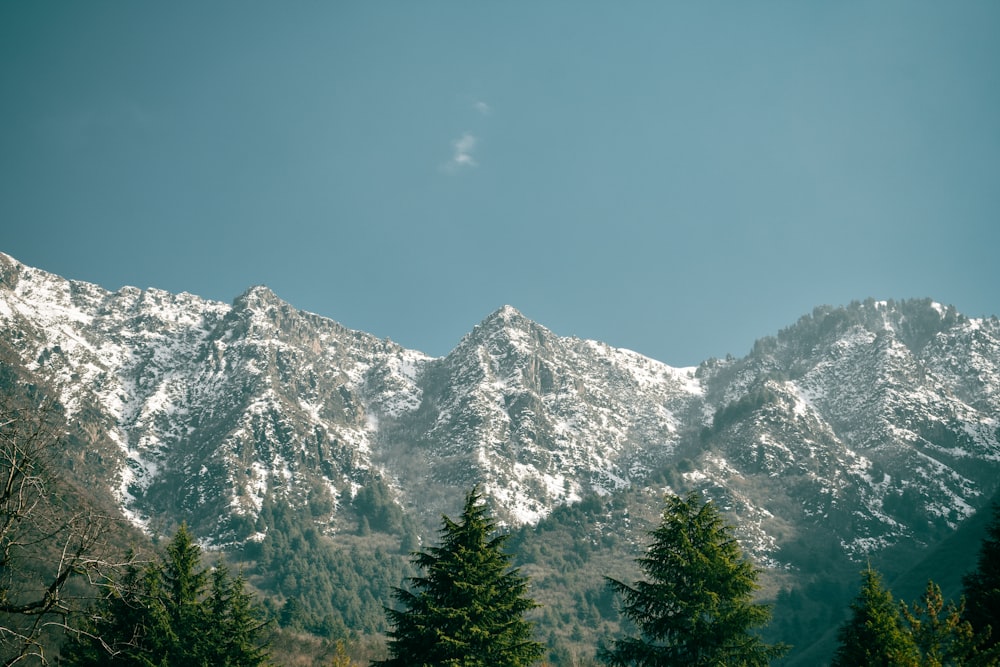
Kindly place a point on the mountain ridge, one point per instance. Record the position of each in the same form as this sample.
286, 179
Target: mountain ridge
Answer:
858, 431
510, 397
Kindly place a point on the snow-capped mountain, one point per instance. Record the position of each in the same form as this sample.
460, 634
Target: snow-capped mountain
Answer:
876, 422
538, 419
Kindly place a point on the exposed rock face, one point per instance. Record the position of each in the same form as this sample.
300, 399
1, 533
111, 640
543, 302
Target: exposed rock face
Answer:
878, 421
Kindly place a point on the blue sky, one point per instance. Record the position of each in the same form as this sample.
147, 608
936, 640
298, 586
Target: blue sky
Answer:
675, 178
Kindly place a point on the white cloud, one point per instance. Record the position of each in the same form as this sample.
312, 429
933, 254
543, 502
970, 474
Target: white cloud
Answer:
463, 148
462, 155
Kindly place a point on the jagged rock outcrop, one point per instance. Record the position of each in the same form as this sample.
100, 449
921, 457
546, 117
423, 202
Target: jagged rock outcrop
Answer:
876, 423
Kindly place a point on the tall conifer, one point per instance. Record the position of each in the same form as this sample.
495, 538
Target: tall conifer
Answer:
873, 636
184, 584
468, 608
696, 608
942, 637
233, 623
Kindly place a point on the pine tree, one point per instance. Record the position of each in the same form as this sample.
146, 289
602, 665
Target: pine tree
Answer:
982, 586
234, 623
166, 614
874, 636
696, 608
184, 585
468, 609
125, 628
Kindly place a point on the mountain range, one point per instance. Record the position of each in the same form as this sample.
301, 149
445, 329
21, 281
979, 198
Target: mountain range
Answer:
862, 431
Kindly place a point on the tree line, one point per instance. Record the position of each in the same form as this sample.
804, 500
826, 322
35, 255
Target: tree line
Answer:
468, 607
931, 632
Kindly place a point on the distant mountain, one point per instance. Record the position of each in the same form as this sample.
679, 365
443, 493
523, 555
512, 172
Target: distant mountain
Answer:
868, 429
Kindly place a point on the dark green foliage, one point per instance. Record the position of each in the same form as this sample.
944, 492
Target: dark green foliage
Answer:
234, 622
468, 608
376, 507
982, 586
747, 404
696, 607
921, 320
183, 585
121, 624
172, 612
326, 588
874, 634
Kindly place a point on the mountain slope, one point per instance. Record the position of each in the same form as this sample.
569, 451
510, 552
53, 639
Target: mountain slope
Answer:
210, 407
537, 419
871, 417
878, 419
865, 431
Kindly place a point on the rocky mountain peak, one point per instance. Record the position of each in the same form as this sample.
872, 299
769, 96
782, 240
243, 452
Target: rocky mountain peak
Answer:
879, 416
508, 315
258, 297
506, 333
10, 269
502, 319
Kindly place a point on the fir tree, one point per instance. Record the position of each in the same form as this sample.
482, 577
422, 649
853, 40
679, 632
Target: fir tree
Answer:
696, 608
873, 636
468, 609
124, 630
183, 588
982, 586
234, 623
166, 614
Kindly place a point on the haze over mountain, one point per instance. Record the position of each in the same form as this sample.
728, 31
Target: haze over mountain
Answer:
858, 431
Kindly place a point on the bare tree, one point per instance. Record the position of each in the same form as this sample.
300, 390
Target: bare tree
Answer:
54, 547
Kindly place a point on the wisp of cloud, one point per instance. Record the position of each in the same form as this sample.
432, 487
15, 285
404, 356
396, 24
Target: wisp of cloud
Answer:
462, 157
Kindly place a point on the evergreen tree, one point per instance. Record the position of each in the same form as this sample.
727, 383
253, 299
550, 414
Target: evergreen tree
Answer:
468, 609
696, 608
126, 628
982, 586
184, 585
874, 636
168, 615
233, 623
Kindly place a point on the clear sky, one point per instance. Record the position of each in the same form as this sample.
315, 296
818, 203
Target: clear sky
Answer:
677, 178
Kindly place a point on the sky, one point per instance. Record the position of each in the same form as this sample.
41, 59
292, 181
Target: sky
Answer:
675, 178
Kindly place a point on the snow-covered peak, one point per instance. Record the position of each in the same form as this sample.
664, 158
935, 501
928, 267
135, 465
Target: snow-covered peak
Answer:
258, 297
879, 416
506, 313
505, 317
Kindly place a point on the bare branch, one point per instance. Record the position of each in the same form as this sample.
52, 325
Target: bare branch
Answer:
49, 536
